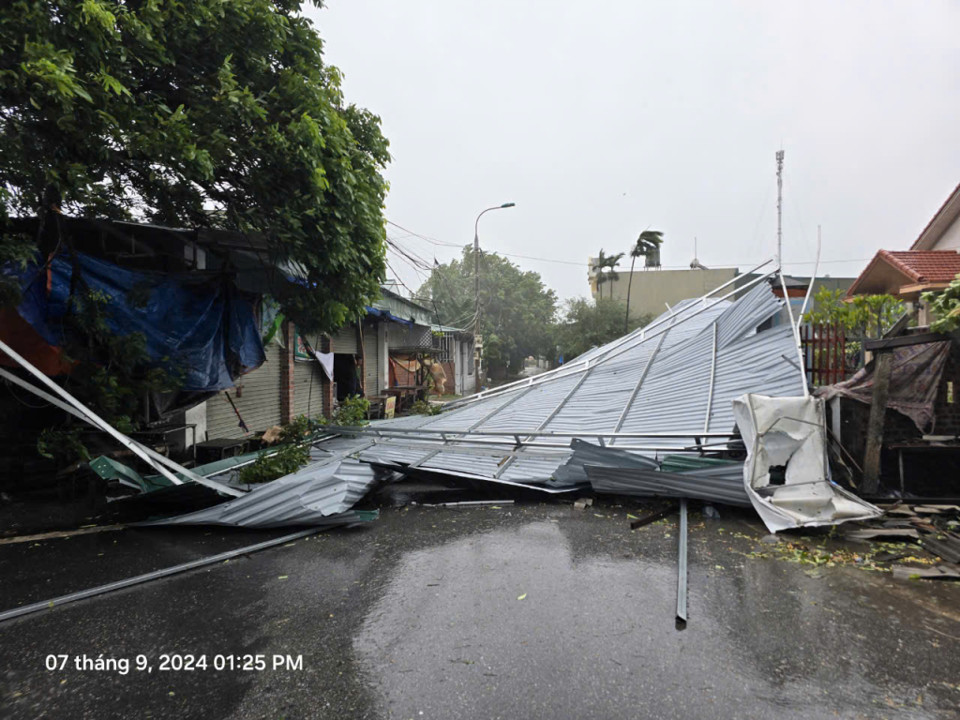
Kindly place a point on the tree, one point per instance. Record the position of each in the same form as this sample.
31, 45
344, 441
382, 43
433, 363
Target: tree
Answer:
647, 244
585, 325
517, 310
945, 307
865, 316
197, 113
604, 267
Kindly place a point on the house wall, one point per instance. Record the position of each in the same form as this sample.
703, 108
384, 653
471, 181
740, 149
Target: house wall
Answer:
950, 240
651, 289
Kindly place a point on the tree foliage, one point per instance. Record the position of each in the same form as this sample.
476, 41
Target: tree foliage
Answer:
605, 268
517, 309
868, 316
945, 307
648, 243
588, 324
197, 113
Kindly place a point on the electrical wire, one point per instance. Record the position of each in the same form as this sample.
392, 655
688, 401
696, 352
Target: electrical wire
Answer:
425, 266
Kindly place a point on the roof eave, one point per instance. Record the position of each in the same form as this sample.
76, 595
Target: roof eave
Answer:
941, 220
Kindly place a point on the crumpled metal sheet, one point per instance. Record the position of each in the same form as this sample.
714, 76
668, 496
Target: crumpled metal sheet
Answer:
574, 471
320, 494
715, 484
790, 433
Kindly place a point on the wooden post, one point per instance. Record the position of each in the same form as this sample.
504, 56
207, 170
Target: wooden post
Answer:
878, 407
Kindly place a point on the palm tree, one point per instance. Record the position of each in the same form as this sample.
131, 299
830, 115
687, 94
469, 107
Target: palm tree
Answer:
610, 263
648, 243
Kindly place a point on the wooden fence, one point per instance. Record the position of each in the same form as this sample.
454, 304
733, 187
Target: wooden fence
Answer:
824, 353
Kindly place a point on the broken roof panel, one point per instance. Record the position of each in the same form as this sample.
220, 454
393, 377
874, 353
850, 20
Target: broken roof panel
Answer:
679, 376
320, 494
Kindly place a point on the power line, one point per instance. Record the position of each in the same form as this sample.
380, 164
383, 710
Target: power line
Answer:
432, 241
425, 266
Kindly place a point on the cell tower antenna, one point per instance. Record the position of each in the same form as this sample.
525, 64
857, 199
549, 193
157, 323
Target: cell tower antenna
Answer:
779, 208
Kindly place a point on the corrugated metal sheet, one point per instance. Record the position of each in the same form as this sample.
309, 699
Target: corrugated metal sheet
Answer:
719, 484
258, 402
319, 494
679, 376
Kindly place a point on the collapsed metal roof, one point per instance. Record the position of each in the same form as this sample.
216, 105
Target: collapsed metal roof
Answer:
668, 386
319, 494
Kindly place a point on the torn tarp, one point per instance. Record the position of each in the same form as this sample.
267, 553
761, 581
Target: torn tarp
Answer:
786, 474
915, 372
198, 325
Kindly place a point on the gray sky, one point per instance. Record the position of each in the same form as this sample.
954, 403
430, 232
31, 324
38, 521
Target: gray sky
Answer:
602, 119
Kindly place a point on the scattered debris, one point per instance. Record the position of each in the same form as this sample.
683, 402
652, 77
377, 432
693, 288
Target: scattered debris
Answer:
59, 534
653, 516
583, 503
947, 546
940, 572
471, 503
873, 533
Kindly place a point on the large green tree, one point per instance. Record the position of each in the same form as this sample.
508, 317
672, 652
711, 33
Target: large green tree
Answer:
202, 113
516, 308
587, 324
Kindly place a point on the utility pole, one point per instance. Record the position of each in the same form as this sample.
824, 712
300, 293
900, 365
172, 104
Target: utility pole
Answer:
779, 208
476, 288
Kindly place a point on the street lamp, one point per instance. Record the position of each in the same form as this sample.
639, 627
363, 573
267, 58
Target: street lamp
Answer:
476, 285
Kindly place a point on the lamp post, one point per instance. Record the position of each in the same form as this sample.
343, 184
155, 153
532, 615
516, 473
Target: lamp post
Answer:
476, 286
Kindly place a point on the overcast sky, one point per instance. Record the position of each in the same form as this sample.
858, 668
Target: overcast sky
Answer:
600, 119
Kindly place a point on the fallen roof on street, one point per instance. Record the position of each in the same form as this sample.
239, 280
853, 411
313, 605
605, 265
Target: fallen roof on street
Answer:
667, 387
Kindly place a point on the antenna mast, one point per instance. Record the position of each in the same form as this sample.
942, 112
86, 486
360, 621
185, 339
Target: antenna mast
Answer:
779, 208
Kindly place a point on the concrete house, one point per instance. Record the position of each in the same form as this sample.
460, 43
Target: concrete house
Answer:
931, 262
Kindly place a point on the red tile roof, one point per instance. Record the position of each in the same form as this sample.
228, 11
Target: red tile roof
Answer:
924, 266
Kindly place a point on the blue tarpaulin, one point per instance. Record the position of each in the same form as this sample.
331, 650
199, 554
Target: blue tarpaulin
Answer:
200, 326
386, 314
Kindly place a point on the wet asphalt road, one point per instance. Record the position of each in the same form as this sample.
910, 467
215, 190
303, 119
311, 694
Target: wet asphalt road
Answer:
420, 615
